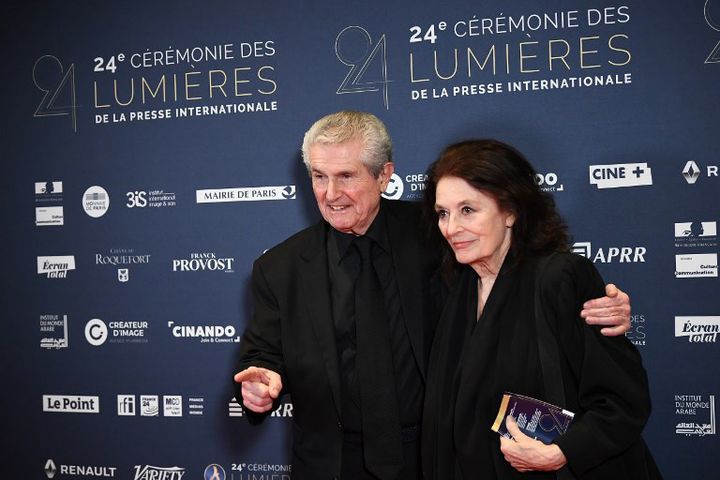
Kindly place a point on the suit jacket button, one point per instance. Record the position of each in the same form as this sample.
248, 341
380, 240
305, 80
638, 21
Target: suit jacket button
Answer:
340, 426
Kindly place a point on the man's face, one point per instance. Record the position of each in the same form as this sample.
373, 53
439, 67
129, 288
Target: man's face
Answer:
347, 194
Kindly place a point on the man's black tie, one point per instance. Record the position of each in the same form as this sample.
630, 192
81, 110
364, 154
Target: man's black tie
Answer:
382, 445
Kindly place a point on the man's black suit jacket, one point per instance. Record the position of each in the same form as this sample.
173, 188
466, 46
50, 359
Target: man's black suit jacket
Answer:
292, 329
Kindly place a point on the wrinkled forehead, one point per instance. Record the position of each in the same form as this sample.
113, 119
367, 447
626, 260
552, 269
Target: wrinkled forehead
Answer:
337, 156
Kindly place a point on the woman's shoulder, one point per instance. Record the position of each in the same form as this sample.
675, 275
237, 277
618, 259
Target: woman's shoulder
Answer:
567, 269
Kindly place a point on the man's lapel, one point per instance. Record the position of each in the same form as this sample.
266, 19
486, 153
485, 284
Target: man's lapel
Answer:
315, 286
407, 260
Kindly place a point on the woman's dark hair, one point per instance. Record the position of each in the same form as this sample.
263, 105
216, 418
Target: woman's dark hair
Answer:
501, 171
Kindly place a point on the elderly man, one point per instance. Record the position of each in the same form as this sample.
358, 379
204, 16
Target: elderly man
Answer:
345, 312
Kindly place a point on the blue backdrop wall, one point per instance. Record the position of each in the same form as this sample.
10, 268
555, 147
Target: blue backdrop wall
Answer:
150, 153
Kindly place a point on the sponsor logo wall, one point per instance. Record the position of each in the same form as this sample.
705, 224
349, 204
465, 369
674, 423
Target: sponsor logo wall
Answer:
159, 150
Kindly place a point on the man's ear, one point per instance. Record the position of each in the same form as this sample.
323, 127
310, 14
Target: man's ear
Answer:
385, 174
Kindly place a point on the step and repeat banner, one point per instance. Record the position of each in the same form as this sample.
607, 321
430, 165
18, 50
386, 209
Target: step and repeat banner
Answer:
151, 151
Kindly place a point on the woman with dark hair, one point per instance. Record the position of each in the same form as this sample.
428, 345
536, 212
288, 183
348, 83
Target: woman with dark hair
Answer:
498, 226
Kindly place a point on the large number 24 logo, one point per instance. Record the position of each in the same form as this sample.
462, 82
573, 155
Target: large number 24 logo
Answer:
58, 85
714, 56
368, 70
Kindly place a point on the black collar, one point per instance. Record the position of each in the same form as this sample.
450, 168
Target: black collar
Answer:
377, 232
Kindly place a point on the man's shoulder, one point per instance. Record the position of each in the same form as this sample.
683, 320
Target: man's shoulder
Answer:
402, 207
303, 241
408, 214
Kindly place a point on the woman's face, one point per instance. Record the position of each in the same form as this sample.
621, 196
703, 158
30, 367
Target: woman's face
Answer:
471, 221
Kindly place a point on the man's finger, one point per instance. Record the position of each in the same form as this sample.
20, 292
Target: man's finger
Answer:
260, 400
614, 298
600, 303
274, 384
258, 389
253, 374
613, 325
257, 407
613, 331
610, 317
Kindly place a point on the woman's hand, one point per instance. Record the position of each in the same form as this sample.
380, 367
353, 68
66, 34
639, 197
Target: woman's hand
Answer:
525, 453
